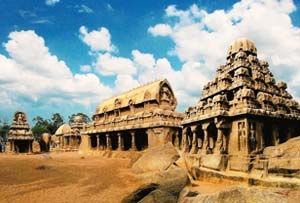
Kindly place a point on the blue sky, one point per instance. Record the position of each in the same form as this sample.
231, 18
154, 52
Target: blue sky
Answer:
66, 56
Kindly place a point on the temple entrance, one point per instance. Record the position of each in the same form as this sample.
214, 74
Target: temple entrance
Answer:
267, 131
282, 134
127, 140
93, 141
141, 139
114, 141
212, 135
21, 146
102, 140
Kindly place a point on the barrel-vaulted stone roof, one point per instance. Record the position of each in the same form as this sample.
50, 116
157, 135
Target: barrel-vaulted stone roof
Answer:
141, 94
63, 129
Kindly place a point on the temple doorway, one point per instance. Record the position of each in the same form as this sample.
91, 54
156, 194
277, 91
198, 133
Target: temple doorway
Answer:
94, 141
282, 134
141, 139
114, 141
102, 141
267, 131
21, 146
127, 140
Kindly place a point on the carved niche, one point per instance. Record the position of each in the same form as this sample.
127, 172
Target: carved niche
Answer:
166, 95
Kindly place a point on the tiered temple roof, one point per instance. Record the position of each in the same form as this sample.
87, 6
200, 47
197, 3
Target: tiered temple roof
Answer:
244, 85
20, 129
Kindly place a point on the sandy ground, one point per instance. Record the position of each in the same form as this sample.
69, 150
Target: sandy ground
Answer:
64, 177
70, 177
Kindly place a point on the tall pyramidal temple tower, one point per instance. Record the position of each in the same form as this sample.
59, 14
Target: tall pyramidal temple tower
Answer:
242, 111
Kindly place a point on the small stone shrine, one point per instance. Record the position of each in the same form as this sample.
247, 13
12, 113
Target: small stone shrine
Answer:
20, 137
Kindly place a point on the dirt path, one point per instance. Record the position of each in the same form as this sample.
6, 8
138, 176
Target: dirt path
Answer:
64, 177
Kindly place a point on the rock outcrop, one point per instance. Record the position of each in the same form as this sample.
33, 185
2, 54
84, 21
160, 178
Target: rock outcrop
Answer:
284, 158
164, 179
237, 195
157, 158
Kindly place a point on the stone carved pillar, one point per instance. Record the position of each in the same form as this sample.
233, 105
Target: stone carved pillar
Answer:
133, 146
205, 139
30, 147
176, 139
194, 140
184, 142
12, 146
108, 142
98, 142
61, 142
65, 142
219, 143
119, 142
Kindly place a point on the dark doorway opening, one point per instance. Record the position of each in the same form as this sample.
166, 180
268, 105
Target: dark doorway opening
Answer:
94, 141
283, 134
127, 140
114, 141
22, 146
141, 139
267, 131
102, 141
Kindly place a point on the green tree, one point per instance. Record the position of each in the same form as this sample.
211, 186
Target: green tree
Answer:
85, 117
38, 130
46, 125
4, 128
55, 122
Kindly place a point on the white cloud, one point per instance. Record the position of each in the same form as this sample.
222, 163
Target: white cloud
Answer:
202, 38
124, 83
109, 7
85, 68
97, 40
32, 75
84, 9
143, 60
51, 2
160, 30
112, 65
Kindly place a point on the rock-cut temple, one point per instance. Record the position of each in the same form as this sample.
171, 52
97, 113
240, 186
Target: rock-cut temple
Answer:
140, 118
241, 111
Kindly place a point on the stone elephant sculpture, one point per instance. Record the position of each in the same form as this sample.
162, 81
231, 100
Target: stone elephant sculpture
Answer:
45, 142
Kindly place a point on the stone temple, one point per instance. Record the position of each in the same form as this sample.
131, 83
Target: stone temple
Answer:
241, 111
69, 136
137, 119
20, 137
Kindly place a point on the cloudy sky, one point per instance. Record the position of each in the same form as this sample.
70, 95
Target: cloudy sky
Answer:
66, 56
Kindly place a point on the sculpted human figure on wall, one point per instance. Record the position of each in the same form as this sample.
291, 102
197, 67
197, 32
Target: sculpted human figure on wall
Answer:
252, 139
165, 94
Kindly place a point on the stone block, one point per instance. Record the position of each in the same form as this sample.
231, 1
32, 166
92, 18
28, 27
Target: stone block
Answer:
212, 161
